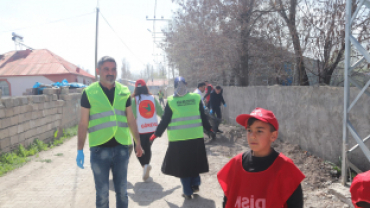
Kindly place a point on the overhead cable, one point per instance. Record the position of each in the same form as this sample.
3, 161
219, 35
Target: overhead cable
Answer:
122, 40
54, 21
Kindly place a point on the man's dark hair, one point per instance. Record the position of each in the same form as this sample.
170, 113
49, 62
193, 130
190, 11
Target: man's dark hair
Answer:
218, 87
106, 59
201, 84
252, 120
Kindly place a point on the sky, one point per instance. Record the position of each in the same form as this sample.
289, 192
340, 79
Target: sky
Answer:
73, 38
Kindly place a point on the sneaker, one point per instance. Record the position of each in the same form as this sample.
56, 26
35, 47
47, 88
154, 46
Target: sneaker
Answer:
213, 136
195, 189
146, 171
186, 196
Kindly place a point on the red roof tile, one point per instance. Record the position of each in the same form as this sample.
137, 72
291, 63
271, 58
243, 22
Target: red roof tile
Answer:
37, 62
157, 82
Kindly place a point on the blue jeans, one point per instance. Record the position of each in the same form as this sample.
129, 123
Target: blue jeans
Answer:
103, 159
188, 182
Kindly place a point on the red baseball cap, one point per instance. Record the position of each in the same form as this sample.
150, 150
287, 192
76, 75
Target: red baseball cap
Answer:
140, 83
260, 114
360, 188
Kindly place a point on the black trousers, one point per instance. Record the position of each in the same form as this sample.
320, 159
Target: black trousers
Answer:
147, 147
161, 101
217, 111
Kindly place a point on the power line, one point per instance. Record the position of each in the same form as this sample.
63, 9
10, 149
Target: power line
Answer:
54, 21
122, 40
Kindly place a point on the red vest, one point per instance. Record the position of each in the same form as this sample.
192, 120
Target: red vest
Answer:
270, 188
206, 91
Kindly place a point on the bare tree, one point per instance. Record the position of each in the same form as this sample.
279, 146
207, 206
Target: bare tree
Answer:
125, 69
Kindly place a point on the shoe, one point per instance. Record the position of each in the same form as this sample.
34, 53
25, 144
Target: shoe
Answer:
195, 189
213, 136
146, 171
186, 196
219, 131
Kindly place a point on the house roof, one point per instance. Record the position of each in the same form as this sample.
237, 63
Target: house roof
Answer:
157, 82
37, 62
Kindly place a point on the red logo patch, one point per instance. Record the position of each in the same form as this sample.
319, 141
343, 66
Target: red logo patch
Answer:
146, 109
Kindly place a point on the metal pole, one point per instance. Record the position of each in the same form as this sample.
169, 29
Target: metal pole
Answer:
347, 66
96, 42
155, 11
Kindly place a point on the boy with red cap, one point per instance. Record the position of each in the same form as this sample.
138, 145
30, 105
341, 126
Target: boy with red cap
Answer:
360, 190
261, 177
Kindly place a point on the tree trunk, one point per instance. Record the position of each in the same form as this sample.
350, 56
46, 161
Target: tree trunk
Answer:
300, 69
244, 71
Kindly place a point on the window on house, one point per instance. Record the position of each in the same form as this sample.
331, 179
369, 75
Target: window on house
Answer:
4, 87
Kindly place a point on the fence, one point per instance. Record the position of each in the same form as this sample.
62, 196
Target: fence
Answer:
308, 116
26, 118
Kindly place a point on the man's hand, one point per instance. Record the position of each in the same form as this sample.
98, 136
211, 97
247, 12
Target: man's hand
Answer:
225, 105
80, 159
151, 139
139, 151
211, 111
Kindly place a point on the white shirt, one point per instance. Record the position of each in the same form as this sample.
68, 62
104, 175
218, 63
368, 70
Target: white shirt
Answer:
200, 93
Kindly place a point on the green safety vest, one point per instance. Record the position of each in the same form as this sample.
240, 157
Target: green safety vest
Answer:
186, 122
107, 121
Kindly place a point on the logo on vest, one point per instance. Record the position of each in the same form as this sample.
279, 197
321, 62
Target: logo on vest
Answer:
147, 125
186, 102
245, 202
146, 109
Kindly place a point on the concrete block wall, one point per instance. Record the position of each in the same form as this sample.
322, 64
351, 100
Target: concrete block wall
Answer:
26, 118
311, 117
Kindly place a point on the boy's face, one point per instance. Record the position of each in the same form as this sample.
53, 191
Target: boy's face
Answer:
260, 137
202, 89
218, 91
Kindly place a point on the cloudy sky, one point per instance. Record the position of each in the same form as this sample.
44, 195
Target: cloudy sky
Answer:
73, 37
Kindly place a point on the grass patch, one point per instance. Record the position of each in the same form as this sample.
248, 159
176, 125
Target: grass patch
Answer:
17, 158
45, 160
59, 154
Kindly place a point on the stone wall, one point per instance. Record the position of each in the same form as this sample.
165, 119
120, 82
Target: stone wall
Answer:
308, 116
26, 118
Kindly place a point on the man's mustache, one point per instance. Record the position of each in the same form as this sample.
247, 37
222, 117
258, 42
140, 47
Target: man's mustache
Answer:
108, 76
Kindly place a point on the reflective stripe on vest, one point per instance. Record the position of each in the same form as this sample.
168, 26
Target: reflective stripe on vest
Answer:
187, 126
101, 115
185, 118
107, 125
119, 112
107, 113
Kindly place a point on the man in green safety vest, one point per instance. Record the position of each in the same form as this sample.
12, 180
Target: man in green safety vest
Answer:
184, 120
106, 114
160, 96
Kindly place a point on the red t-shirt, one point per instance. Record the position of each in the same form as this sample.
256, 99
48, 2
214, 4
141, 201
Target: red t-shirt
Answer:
206, 92
270, 188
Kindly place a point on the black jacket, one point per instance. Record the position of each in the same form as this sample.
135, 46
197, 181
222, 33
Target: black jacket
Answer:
216, 100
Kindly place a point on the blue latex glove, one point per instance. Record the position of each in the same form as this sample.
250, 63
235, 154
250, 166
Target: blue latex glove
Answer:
80, 159
204, 107
225, 105
211, 111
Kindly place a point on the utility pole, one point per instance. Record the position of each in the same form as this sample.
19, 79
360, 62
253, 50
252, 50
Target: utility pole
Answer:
96, 42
